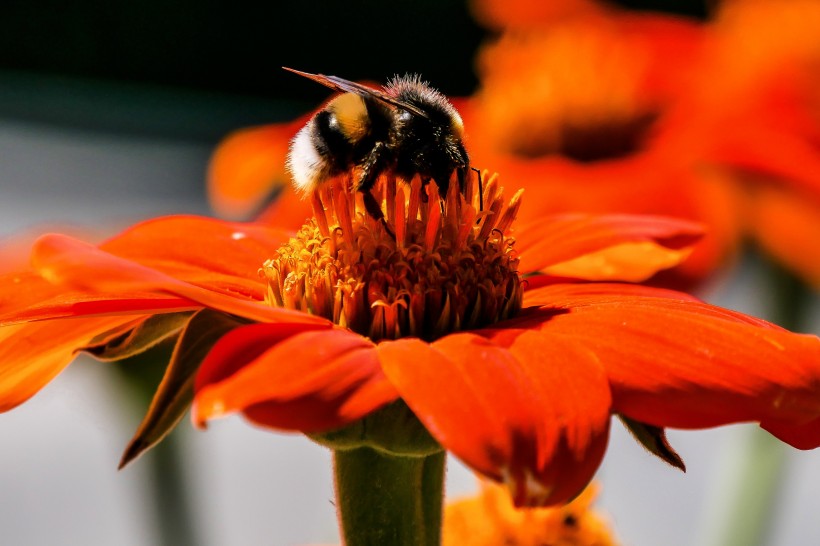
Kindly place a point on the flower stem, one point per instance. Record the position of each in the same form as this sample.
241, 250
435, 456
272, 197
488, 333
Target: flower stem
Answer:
389, 499
169, 493
167, 486
756, 476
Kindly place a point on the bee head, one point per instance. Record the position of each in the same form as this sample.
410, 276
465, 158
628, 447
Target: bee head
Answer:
432, 144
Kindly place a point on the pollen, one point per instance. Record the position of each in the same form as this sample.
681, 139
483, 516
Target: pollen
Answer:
432, 266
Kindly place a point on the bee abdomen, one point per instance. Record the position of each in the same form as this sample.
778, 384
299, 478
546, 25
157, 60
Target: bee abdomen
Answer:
331, 142
319, 151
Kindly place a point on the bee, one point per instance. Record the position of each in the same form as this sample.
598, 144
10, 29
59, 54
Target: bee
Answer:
405, 129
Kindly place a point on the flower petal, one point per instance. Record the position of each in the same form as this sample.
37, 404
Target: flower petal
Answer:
805, 436
531, 412
31, 355
179, 246
175, 393
67, 261
559, 293
686, 364
615, 247
26, 297
248, 166
289, 210
15, 248
787, 225
221, 256
292, 376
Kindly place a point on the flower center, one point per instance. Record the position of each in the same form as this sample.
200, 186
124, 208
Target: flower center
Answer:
587, 143
446, 266
576, 91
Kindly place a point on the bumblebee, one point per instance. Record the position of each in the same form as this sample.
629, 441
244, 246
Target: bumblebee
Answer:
405, 129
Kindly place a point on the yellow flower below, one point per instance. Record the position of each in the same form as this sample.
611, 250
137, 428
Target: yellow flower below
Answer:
490, 519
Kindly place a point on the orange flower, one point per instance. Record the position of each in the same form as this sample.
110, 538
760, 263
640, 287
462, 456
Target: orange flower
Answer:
757, 111
718, 122
248, 167
342, 322
577, 112
490, 519
527, 14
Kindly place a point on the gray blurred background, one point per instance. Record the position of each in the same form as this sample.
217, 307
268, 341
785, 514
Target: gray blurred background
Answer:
108, 114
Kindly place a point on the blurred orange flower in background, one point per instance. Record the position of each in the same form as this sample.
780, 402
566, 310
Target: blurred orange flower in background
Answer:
756, 113
730, 108
574, 110
526, 14
597, 109
248, 166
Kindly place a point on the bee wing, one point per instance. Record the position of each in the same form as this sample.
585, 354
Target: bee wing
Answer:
347, 86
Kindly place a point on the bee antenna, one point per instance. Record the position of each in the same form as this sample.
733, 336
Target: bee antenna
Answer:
480, 189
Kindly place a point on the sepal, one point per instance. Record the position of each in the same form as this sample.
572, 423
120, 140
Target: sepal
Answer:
176, 390
131, 340
654, 440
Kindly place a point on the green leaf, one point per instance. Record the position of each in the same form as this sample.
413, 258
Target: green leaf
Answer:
654, 440
176, 390
132, 340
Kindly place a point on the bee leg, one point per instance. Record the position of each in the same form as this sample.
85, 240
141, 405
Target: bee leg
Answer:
424, 182
372, 167
480, 189
442, 193
375, 212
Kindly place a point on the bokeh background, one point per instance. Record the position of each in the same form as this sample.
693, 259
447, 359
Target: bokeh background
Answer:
109, 111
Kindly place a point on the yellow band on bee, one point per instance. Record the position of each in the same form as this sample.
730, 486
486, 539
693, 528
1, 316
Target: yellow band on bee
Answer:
351, 113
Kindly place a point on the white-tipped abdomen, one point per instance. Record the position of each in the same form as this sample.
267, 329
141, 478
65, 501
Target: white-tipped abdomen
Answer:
305, 164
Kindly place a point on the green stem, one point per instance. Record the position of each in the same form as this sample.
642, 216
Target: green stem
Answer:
793, 299
169, 492
756, 477
746, 502
166, 484
387, 499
